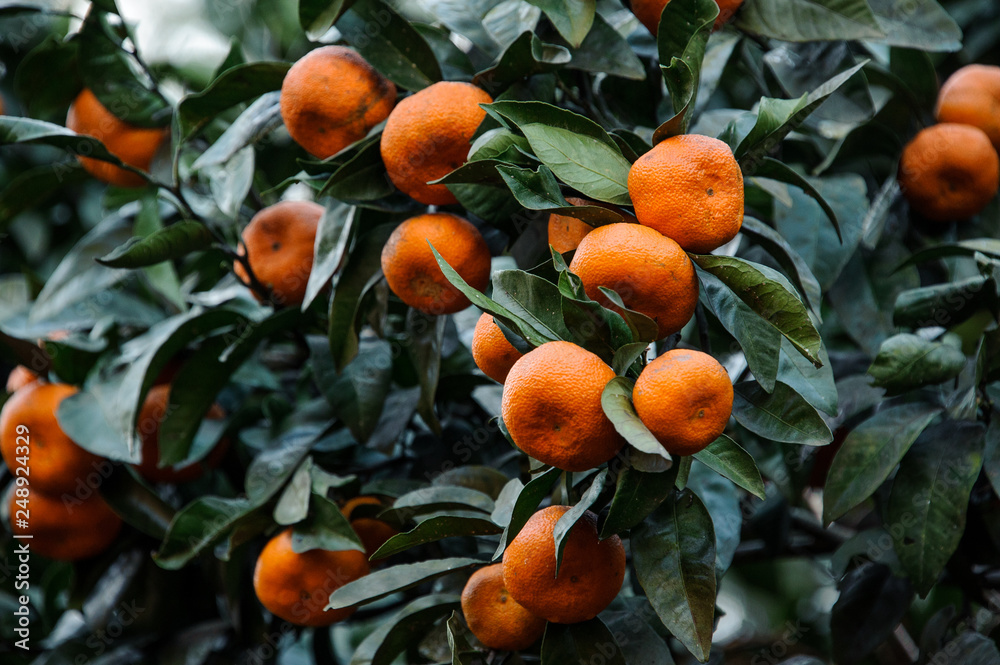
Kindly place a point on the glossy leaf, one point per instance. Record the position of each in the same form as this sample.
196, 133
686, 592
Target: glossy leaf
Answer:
929, 498
870, 453
584, 642
236, 85
571, 19
727, 458
814, 20
526, 504
637, 494
382, 583
569, 519
170, 243
616, 400
906, 361
684, 29
673, 551
781, 416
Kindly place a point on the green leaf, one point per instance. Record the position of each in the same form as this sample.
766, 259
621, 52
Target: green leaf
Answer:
138, 505
173, 242
920, 24
233, 86
273, 467
436, 498
815, 384
115, 76
198, 526
605, 51
202, 377
390, 44
781, 416
584, 642
361, 270
396, 634
627, 355
637, 494
527, 56
776, 118
326, 528
870, 453
723, 500
775, 170
684, 29
569, 519
437, 528
945, 304
539, 190
571, 18
814, 20
616, 400
32, 187
333, 236
358, 393
525, 506
578, 150
362, 177
317, 16
906, 361
727, 458
988, 246
768, 293
673, 551
991, 456
257, 121
760, 341
52, 54
929, 498
426, 334
382, 583
25, 130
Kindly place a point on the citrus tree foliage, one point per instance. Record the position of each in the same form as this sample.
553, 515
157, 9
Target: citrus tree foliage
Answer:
852, 503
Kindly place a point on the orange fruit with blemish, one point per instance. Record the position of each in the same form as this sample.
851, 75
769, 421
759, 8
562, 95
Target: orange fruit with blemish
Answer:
296, 586
133, 145
590, 576
494, 617
685, 398
279, 244
690, 189
551, 406
331, 98
413, 273
427, 137
650, 272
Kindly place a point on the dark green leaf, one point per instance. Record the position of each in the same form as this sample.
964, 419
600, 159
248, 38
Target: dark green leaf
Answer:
768, 293
235, 85
759, 340
198, 526
605, 51
360, 178
317, 16
905, 362
637, 494
135, 503
112, 73
434, 529
814, 20
382, 583
256, 122
775, 170
358, 393
684, 28
584, 642
361, 269
390, 44
396, 634
870, 453
569, 519
425, 335
871, 604
929, 498
271, 469
726, 457
173, 242
333, 236
776, 118
627, 355
578, 150
815, 384
674, 555
616, 400
988, 246
53, 54
920, 24
26, 130
326, 528
945, 304
781, 416
526, 505
527, 56
571, 19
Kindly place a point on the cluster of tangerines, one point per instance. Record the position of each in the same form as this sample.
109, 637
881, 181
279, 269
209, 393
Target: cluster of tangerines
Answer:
687, 194
61, 504
951, 170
